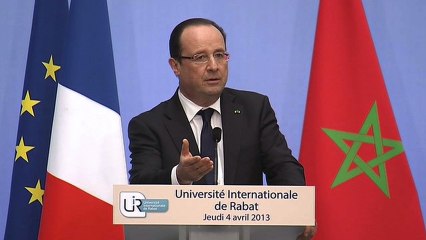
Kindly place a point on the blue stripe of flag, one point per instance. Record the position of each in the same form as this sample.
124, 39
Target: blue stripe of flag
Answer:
89, 64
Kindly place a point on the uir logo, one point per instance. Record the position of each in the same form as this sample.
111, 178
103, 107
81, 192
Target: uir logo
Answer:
130, 203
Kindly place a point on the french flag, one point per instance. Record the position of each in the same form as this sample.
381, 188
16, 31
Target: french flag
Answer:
86, 156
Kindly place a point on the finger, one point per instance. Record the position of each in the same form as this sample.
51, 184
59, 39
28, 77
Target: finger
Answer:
191, 169
204, 166
202, 163
185, 148
190, 164
309, 232
198, 167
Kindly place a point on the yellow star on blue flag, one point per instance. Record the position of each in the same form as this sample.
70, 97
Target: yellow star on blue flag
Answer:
27, 104
36, 193
51, 69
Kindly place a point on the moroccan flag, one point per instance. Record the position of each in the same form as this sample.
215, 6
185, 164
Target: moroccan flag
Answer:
35, 120
351, 147
86, 151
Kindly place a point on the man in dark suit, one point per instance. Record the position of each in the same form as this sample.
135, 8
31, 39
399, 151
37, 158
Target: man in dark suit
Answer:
252, 143
165, 142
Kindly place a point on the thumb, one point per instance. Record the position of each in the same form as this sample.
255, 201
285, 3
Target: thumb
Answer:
185, 148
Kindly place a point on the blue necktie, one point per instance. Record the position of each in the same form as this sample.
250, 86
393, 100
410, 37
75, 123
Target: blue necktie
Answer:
207, 141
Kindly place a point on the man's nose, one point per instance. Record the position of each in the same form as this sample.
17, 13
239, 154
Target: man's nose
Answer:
212, 63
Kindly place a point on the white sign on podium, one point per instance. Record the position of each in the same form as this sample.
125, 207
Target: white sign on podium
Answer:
204, 210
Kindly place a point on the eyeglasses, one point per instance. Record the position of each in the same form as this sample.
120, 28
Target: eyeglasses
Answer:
202, 58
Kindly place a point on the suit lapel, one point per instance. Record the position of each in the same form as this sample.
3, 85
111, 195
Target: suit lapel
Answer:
232, 116
178, 126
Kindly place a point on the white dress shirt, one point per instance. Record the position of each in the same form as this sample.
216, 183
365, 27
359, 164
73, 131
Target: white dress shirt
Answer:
191, 109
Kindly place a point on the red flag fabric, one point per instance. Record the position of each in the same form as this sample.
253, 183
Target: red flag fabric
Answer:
351, 147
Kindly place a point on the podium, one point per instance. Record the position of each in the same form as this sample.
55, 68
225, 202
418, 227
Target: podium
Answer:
213, 211
158, 232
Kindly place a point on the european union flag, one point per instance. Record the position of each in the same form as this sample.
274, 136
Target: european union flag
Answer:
35, 120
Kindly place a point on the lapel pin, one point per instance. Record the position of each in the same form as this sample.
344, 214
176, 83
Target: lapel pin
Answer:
237, 111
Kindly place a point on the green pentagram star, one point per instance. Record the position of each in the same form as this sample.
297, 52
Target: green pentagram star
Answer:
345, 173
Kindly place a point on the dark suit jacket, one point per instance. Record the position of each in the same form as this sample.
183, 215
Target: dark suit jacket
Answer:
252, 143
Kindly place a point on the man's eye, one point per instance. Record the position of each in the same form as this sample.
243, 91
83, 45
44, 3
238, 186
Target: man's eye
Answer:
219, 55
200, 57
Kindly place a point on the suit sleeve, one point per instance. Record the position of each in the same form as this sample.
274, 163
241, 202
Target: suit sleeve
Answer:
280, 166
145, 148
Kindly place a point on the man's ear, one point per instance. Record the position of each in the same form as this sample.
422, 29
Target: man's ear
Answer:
175, 65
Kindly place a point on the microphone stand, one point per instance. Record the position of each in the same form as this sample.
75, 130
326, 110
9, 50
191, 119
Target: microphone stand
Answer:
217, 132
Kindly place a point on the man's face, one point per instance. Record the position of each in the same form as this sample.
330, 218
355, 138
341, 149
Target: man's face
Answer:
202, 83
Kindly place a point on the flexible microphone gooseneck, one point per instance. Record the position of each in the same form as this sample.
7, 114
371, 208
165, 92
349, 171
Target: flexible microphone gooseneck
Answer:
217, 135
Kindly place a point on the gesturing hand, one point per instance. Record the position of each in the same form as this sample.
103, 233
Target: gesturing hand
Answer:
308, 234
191, 168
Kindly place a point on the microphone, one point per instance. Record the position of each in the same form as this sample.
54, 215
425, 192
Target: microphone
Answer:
217, 132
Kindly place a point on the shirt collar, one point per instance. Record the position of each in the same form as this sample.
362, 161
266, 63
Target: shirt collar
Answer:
191, 109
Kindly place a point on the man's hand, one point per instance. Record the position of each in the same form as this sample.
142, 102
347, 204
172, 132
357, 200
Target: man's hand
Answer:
308, 234
191, 168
